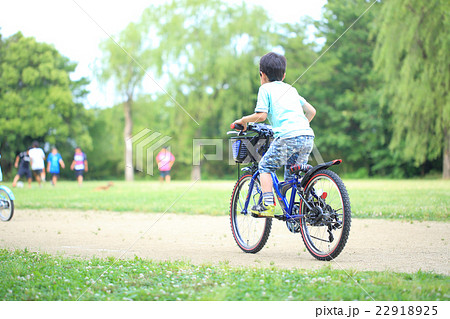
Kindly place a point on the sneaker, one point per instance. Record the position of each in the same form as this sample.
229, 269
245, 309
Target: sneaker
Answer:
263, 210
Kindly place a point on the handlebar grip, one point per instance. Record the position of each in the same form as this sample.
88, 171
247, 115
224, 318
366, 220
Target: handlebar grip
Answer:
236, 126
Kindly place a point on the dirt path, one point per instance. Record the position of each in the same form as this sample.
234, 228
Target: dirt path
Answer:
373, 244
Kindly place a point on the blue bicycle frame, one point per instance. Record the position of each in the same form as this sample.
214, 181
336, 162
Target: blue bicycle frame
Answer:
287, 206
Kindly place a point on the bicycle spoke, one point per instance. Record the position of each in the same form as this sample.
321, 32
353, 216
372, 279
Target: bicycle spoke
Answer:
247, 230
323, 227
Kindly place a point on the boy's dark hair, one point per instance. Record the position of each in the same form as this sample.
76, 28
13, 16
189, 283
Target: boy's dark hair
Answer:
35, 144
273, 65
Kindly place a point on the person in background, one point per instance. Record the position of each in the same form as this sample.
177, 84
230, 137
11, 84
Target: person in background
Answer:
165, 160
79, 165
54, 162
23, 164
37, 157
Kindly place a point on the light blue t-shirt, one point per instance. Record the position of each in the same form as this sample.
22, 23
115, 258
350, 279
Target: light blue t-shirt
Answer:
283, 106
53, 159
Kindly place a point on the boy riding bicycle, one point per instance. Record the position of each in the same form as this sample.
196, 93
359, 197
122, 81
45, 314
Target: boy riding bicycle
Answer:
289, 114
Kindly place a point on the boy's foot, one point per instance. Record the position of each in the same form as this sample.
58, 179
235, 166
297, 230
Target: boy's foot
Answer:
263, 210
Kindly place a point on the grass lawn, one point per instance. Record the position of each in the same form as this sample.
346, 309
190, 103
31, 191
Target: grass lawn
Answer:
33, 276
399, 199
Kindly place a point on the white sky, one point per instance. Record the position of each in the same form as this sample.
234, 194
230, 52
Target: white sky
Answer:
63, 24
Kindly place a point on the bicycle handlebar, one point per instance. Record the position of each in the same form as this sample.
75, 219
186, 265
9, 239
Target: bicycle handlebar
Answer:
236, 126
262, 129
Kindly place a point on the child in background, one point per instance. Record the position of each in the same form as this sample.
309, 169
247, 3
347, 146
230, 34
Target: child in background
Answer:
23, 164
165, 160
54, 162
37, 157
79, 164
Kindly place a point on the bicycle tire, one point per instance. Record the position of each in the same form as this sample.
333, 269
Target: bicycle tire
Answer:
312, 242
260, 227
4, 196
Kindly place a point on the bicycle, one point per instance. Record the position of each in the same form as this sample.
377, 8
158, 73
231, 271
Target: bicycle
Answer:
317, 207
6, 201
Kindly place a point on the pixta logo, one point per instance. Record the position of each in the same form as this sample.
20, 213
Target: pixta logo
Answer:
145, 144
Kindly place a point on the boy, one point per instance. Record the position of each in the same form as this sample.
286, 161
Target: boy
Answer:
54, 161
23, 164
289, 115
37, 157
79, 164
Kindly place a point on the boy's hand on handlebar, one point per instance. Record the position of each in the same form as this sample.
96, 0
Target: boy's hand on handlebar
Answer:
241, 123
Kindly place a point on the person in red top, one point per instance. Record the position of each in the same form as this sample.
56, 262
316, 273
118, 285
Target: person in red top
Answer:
165, 160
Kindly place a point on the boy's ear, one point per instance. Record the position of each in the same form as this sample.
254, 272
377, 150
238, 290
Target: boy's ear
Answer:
284, 75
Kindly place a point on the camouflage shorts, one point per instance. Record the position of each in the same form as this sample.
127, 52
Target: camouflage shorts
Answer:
286, 152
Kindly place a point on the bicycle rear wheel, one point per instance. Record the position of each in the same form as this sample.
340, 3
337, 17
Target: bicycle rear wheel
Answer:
325, 227
6, 206
250, 233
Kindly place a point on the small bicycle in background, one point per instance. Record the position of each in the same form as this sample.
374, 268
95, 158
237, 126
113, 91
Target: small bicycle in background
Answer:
6, 201
315, 203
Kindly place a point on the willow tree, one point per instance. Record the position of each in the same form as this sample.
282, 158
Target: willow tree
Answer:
125, 61
412, 56
209, 51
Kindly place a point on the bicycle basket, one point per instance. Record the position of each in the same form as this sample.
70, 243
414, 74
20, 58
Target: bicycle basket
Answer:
240, 151
240, 148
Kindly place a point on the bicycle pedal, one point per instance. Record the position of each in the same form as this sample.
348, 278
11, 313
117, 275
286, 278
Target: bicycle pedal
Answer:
280, 217
258, 216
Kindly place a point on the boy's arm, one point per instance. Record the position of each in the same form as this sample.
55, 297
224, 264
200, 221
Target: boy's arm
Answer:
16, 163
309, 110
61, 162
255, 117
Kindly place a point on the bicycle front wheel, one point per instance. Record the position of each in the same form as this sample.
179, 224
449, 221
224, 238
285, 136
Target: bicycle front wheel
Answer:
250, 233
326, 226
6, 206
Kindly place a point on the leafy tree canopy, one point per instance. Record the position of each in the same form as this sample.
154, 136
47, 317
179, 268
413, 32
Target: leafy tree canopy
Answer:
38, 100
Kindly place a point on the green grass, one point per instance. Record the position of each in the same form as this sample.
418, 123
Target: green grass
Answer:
398, 199
34, 276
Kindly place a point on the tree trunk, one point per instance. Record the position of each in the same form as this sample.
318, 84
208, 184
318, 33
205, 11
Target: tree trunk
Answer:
129, 172
446, 157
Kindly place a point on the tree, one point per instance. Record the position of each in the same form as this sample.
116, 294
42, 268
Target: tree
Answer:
412, 57
209, 51
341, 84
107, 133
38, 100
125, 62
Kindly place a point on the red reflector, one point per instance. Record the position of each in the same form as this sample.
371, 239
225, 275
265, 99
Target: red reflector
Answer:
324, 195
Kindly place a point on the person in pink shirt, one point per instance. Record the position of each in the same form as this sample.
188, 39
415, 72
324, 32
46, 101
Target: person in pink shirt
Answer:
165, 160
79, 165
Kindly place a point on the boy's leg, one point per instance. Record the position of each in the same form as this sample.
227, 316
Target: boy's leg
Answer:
16, 178
274, 158
29, 177
300, 151
37, 176
266, 182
